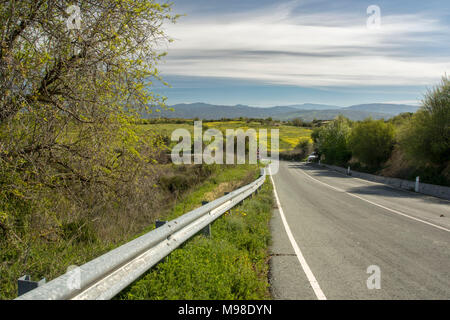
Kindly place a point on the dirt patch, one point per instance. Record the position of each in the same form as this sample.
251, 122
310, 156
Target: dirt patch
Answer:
221, 189
229, 186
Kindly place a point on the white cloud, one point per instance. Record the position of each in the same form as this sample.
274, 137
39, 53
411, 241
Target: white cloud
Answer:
320, 49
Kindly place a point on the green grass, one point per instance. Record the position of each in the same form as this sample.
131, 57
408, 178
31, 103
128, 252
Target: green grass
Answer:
42, 259
239, 173
232, 264
290, 136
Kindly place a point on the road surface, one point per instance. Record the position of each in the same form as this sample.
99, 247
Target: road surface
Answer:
328, 229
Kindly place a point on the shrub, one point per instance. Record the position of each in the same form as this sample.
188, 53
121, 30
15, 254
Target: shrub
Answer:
291, 156
79, 231
300, 152
426, 138
305, 145
331, 140
371, 141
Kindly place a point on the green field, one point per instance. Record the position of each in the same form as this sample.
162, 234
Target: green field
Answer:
290, 136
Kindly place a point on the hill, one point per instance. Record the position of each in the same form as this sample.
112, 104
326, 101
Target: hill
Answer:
392, 109
310, 115
212, 112
307, 112
313, 106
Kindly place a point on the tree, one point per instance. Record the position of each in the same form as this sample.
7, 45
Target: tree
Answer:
401, 119
102, 67
426, 138
305, 147
298, 122
331, 140
69, 98
371, 141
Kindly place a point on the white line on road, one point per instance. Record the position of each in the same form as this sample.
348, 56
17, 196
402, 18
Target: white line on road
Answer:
312, 280
376, 204
384, 185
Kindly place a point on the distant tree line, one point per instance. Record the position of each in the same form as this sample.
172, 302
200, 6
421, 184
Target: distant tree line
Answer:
297, 122
269, 121
421, 139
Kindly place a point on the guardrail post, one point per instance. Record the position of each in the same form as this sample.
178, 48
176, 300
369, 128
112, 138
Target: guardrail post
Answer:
417, 184
24, 284
227, 193
159, 223
206, 230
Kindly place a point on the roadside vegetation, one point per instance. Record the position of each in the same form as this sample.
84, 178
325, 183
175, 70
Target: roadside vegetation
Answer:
405, 146
78, 175
300, 152
231, 264
48, 253
76, 178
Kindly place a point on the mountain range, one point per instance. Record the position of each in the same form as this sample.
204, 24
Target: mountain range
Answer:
307, 111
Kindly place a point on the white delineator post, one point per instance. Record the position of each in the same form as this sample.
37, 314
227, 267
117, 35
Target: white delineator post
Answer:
348, 171
417, 184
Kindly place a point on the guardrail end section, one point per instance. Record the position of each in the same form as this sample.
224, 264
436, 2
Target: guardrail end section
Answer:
261, 173
159, 223
24, 284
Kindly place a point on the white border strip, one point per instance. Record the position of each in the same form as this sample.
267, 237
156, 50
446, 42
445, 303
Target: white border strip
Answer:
312, 280
376, 204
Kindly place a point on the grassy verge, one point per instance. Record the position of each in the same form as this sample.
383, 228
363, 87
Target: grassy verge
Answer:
232, 264
228, 179
40, 258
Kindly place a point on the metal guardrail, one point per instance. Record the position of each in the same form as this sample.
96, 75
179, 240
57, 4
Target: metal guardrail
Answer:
106, 276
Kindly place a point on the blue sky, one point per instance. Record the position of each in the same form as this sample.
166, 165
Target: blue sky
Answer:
265, 53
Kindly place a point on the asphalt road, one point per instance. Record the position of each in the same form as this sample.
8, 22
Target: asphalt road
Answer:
331, 228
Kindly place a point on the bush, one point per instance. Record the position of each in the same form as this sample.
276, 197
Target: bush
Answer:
371, 142
426, 138
291, 155
297, 122
300, 152
186, 177
79, 231
331, 141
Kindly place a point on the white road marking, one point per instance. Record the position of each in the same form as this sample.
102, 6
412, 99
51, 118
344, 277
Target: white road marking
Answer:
312, 280
385, 185
376, 204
